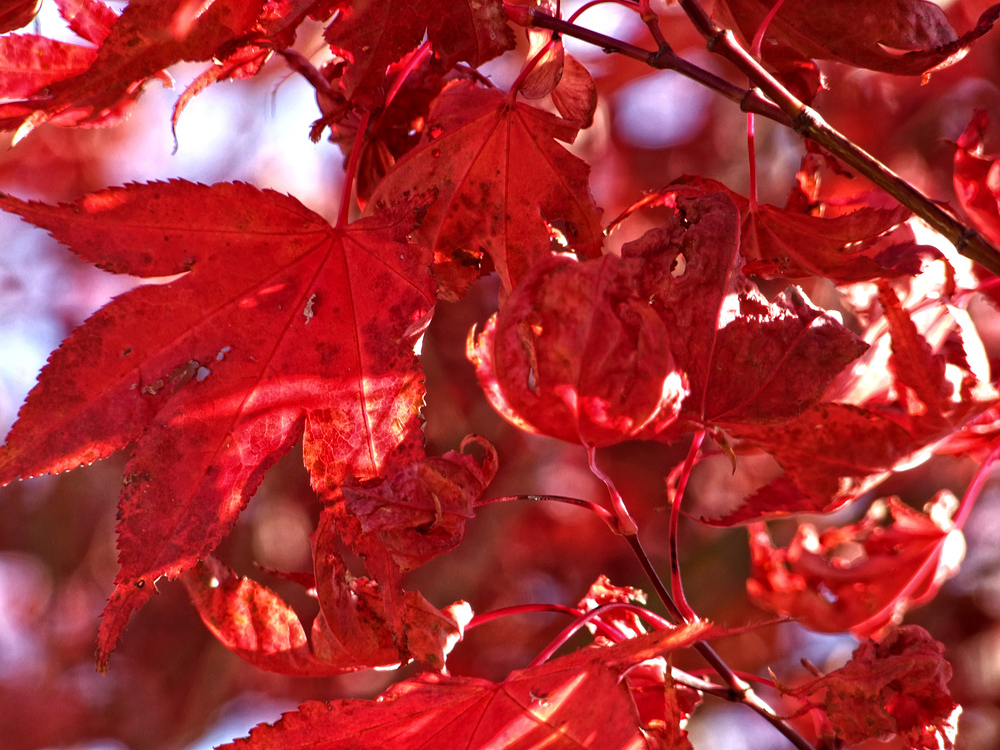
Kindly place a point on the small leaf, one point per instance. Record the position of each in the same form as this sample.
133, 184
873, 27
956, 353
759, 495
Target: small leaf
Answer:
502, 182
896, 686
977, 178
861, 577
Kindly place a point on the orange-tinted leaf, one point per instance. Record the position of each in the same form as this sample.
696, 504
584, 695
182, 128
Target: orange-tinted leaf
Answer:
897, 686
548, 68
860, 577
502, 184
376, 33
361, 626
278, 328
904, 37
578, 354
253, 622
977, 178
575, 96
575, 701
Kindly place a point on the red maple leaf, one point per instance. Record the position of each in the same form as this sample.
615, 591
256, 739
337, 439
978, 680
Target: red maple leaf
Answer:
911, 389
503, 185
278, 328
895, 686
575, 701
904, 37
603, 351
17, 13
787, 243
977, 178
376, 33
861, 577
747, 361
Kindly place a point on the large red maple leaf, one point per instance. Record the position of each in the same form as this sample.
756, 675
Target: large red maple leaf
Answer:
278, 327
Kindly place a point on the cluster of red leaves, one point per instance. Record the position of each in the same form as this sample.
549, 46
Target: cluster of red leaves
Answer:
281, 327
894, 687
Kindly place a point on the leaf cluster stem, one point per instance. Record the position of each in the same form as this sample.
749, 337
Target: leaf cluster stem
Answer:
739, 690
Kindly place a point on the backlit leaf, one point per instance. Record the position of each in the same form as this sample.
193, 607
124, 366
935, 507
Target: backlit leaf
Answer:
218, 373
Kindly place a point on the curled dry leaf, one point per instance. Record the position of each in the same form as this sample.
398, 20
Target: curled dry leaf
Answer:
576, 353
400, 523
420, 512
359, 625
861, 577
893, 686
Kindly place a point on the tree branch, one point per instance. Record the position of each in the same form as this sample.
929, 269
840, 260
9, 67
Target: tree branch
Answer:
769, 98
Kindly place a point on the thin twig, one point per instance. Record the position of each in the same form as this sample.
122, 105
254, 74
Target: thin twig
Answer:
750, 100
740, 690
771, 99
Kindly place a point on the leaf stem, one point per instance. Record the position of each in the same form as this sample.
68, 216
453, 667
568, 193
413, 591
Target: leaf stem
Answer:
603, 513
591, 616
676, 496
626, 524
520, 609
352, 170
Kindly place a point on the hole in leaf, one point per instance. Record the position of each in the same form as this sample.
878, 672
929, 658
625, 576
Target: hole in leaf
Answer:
679, 266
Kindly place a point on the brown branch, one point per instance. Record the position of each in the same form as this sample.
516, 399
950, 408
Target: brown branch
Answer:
769, 98
809, 124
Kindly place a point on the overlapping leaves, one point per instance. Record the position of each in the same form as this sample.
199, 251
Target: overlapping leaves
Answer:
277, 329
